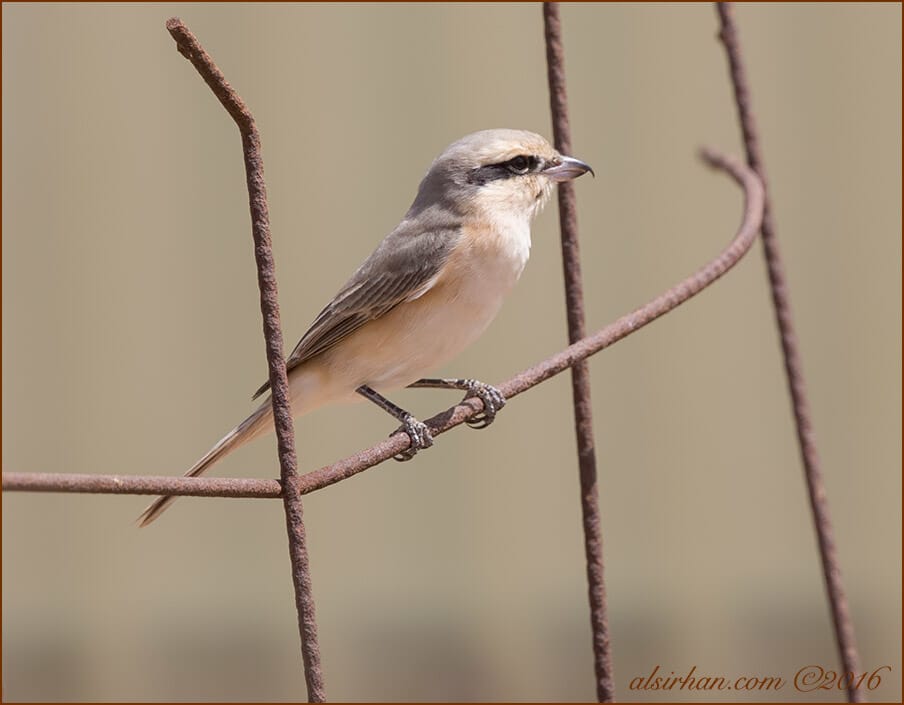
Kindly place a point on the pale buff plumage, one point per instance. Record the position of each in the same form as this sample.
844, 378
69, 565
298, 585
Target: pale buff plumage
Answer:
431, 287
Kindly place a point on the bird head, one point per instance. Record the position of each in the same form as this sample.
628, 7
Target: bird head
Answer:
499, 172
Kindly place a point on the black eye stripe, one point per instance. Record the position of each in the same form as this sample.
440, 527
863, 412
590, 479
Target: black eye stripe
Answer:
485, 174
516, 166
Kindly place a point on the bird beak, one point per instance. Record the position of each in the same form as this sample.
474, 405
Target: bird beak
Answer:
567, 168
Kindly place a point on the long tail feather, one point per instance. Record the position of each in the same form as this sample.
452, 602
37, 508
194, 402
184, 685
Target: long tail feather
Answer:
261, 420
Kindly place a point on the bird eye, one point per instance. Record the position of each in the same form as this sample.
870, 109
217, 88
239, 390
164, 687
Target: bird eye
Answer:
521, 164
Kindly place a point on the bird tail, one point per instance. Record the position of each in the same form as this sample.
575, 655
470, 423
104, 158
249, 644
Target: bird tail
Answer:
259, 422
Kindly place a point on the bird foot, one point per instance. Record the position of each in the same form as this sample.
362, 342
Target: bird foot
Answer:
493, 400
418, 433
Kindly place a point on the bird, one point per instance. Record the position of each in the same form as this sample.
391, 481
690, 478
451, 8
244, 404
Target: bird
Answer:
429, 290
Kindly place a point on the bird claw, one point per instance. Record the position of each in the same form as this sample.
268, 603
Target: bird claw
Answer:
493, 400
420, 438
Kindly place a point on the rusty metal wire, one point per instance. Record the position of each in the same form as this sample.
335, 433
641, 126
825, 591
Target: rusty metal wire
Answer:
455, 415
191, 49
135, 484
290, 487
781, 301
580, 372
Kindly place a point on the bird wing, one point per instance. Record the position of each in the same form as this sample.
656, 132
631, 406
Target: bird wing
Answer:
402, 268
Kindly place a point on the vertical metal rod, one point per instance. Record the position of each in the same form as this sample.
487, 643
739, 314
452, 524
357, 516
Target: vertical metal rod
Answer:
580, 374
781, 301
282, 415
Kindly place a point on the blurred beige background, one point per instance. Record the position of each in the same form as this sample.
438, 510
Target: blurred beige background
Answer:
131, 342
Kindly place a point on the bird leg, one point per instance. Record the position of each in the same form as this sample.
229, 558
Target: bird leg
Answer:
417, 431
492, 398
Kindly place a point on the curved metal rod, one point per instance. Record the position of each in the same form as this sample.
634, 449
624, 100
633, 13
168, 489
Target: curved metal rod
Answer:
455, 415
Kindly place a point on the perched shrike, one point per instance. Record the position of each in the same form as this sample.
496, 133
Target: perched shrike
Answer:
428, 291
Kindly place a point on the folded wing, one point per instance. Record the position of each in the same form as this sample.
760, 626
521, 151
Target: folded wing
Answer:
402, 268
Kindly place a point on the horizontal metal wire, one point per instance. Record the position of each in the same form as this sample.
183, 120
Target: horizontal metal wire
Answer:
756, 213
453, 416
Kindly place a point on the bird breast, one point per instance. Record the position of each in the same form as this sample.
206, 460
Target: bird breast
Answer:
420, 335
